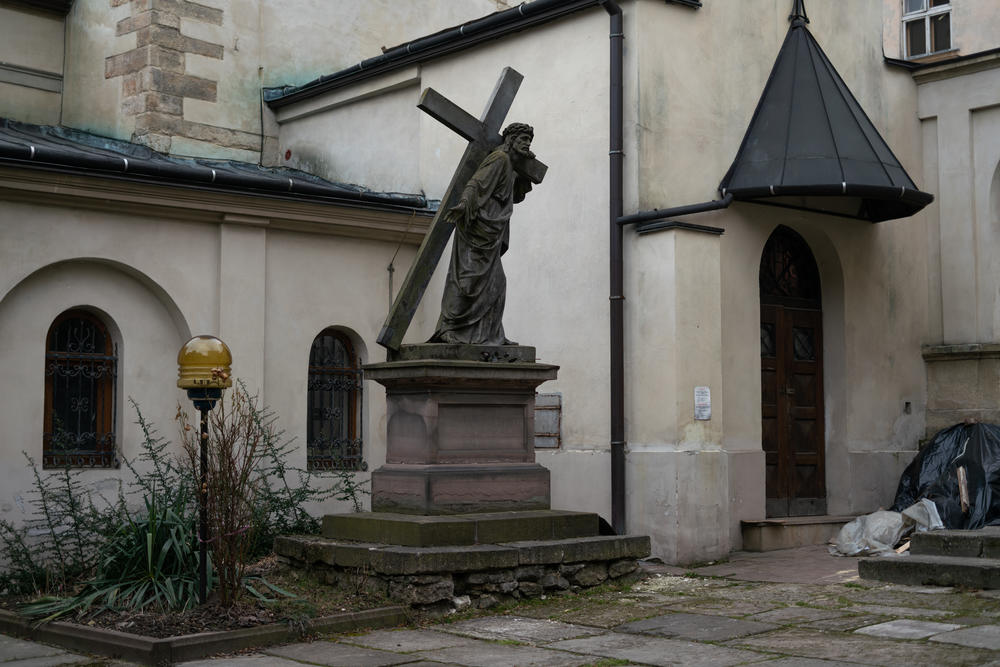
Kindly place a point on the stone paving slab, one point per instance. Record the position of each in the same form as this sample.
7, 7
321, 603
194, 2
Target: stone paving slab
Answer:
723, 607
883, 610
983, 636
862, 649
488, 654
658, 651
67, 659
12, 648
331, 654
698, 627
906, 628
600, 613
244, 661
410, 641
811, 564
515, 628
790, 615
844, 623
804, 662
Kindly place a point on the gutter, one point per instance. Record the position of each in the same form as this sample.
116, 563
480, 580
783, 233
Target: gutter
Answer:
617, 267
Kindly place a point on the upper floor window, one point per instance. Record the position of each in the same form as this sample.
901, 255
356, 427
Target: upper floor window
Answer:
81, 367
333, 432
926, 27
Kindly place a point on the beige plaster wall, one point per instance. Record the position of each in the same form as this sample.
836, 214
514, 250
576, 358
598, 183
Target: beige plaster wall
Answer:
91, 102
31, 38
31, 47
958, 108
144, 332
306, 39
266, 292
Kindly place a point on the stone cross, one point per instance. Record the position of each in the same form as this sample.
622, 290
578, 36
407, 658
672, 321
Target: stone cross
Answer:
483, 135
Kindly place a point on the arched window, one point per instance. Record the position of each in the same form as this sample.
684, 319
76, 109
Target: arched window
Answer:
334, 435
81, 367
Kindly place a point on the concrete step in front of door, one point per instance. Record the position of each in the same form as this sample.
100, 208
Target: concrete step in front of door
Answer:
917, 570
790, 532
982, 543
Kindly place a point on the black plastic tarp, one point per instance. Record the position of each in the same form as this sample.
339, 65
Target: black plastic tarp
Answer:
933, 474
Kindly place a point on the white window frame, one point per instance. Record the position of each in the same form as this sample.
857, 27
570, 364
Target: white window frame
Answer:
925, 15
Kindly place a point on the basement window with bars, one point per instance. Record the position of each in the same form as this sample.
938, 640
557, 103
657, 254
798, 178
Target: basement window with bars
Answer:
926, 27
333, 432
81, 371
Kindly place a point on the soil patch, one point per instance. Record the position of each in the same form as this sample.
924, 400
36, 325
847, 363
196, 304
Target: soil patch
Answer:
310, 598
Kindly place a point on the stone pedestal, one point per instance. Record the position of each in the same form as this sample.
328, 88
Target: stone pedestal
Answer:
460, 430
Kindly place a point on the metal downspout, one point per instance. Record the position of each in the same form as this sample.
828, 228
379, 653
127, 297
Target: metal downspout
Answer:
617, 296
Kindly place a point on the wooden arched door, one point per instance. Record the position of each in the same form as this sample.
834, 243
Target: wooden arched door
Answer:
791, 366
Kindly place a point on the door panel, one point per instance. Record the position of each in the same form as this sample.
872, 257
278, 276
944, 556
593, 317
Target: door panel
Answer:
792, 410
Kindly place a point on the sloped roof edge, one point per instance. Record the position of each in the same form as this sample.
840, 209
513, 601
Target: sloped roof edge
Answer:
65, 149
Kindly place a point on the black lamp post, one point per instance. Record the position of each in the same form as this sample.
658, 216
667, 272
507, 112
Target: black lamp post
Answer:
203, 369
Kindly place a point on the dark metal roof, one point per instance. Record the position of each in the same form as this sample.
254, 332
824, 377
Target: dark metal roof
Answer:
450, 40
57, 6
811, 146
64, 149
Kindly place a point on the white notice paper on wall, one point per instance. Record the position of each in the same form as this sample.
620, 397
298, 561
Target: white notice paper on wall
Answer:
702, 403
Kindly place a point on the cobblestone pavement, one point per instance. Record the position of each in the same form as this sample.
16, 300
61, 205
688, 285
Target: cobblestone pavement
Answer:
798, 607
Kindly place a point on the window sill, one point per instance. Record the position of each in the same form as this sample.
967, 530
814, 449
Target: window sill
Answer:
932, 57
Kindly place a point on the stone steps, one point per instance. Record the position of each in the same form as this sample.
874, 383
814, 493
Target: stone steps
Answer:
413, 530
926, 570
966, 558
790, 532
482, 574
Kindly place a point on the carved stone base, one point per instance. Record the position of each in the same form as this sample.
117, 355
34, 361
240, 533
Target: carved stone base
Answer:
460, 434
460, 489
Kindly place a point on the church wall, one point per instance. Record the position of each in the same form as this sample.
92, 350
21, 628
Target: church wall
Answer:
339, 146
302, 40
958, 108
31, 64
92, 102
692, 308
147, 339
155, 281
874, 274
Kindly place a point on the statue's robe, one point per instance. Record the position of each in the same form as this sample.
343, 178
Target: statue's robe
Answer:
475, 288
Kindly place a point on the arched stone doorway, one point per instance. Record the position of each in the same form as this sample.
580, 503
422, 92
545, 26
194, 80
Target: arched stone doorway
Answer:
791, 362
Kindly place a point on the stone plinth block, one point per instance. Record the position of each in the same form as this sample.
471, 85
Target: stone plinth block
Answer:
460, 432
460, 489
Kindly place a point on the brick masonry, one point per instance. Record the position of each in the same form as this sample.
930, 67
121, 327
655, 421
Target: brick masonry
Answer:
154, 77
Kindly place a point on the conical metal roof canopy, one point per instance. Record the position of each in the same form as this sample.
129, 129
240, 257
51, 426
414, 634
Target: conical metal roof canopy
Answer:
811, 146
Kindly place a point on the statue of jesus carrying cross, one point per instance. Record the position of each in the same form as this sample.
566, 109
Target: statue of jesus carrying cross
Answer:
475, 288
495, 172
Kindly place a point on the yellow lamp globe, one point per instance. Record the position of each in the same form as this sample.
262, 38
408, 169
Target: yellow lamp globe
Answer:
204, 362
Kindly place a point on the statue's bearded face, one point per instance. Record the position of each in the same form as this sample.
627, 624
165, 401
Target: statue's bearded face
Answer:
521, 144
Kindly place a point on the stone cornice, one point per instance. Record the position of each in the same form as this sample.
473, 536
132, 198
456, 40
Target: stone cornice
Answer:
193, 204
950, 69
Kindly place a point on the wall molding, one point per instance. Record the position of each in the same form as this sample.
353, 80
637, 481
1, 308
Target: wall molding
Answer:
30, 77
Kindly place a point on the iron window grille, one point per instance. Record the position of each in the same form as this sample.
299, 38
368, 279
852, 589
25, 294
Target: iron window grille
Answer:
926, 27
334, 431
81, 373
